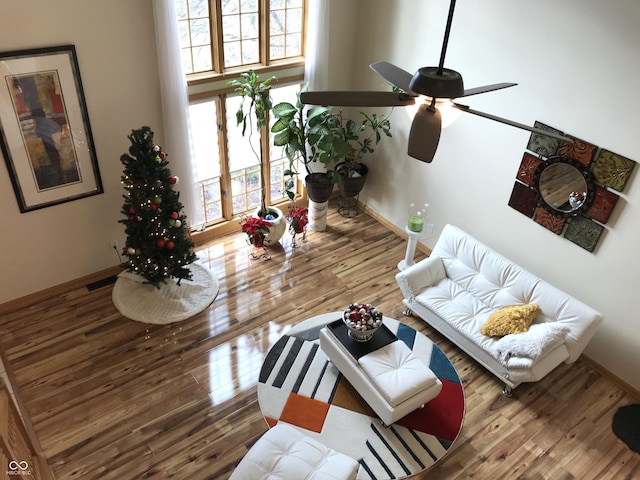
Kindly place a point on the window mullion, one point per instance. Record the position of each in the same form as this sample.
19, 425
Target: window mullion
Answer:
217, 50
225, 174
264, 32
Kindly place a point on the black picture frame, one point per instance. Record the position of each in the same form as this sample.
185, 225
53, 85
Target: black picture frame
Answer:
45, 134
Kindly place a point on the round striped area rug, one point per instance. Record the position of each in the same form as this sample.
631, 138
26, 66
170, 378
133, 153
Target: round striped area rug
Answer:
299, 386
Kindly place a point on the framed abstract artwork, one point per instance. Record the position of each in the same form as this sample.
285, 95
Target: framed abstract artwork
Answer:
45, 134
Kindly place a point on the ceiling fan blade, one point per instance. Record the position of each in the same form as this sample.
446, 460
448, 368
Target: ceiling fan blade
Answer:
522, 126
425, 133
357, 99
487, 88
394, 75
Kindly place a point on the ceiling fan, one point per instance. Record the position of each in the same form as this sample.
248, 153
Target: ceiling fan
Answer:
428, 86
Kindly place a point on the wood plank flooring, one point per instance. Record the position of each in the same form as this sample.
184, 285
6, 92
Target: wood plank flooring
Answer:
111, 398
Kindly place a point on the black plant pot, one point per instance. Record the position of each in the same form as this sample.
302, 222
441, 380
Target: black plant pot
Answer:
351, 186
319, 187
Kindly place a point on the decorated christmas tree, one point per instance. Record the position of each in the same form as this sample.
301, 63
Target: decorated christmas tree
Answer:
158, 247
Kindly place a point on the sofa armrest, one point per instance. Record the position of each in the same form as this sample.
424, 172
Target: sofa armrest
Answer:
421, 275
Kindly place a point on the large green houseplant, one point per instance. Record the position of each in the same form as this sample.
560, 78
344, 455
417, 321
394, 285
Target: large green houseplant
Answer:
324, 135
299, 129
257, 93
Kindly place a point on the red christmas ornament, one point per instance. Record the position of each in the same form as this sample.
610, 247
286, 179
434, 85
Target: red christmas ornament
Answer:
162, 155
174, 215
160, 243
153, 206
170, 245
132, 210
173, 179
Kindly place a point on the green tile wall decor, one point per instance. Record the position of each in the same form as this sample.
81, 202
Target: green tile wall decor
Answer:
579, 216
583, 232
543, 145
612, 170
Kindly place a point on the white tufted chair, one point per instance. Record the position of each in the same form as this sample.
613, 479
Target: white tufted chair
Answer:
284, 453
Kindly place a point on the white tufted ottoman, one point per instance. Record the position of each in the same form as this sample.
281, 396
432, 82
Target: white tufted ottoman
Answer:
392, 380
284, 453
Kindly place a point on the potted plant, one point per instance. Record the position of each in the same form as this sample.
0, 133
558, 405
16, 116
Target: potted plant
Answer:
257, 229
298, 219
299, 130
249, 87
359, 139
323, 135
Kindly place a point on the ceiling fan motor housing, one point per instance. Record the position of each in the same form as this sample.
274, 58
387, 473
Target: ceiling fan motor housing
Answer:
437, 83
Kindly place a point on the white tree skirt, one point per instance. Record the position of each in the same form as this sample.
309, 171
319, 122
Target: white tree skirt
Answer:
171, 302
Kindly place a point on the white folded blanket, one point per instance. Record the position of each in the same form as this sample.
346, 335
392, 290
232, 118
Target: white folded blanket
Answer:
537, 341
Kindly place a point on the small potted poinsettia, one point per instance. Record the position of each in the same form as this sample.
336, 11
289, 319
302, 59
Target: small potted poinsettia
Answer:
256, 229
298, 219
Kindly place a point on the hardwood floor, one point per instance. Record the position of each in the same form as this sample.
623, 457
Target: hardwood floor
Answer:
111, 398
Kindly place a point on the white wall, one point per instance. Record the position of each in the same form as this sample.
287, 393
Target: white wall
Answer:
115, 45
578, 70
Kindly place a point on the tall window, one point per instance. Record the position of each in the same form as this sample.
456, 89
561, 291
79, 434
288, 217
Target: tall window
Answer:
220, 39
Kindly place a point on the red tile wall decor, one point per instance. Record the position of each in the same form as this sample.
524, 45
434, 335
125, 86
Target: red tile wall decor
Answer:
549, 221
523, 199
528, 167
602, 206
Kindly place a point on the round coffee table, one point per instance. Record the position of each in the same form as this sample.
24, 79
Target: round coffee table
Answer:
299, 386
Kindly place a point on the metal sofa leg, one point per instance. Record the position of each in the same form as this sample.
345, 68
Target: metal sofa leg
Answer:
407, 312
507, 391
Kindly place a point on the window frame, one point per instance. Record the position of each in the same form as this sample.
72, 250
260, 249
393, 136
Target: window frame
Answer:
213, 86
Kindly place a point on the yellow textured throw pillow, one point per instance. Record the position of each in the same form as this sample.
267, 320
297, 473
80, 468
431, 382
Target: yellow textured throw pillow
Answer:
513, 319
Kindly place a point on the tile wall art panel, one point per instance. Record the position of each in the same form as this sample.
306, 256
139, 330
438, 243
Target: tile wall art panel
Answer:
583, 218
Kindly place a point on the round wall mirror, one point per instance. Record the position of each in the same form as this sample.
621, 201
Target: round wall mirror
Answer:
564, 186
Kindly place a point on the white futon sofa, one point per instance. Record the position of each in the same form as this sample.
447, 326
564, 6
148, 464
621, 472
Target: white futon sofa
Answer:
463, 282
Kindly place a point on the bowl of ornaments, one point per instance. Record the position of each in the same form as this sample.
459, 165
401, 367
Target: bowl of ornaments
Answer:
362, 320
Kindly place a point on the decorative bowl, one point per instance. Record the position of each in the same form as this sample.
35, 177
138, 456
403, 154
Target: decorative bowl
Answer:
362, 320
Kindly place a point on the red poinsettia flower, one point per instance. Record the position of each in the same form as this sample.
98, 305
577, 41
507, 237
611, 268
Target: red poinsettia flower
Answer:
256, 229
298, 218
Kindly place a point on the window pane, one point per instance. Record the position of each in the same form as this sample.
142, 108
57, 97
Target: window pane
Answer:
250, 51
202, 58
294, 3
186, 60
276, 48
248, 6
183, 34
232, 54
181, 9
294, 20
294, 46
202, 117
241, 154
230, 28
276, 4
276, 24
198, 8
200, 32
230, 6
249, 25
